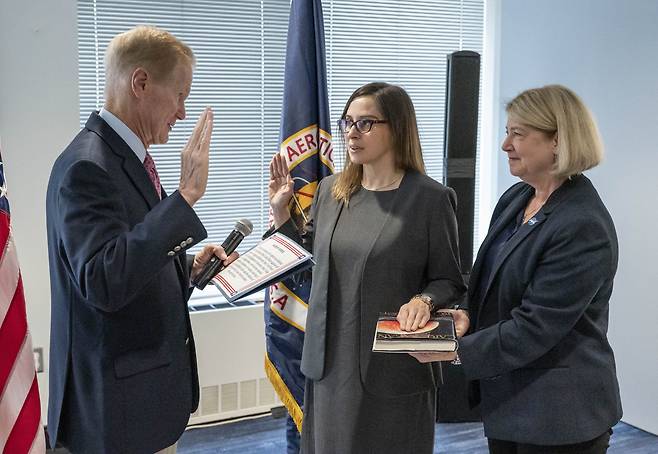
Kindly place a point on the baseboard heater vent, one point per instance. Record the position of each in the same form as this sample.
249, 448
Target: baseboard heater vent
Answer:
231, 400
230, 350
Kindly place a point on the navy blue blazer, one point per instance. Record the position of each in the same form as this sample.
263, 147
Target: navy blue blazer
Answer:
538, 342
123, 375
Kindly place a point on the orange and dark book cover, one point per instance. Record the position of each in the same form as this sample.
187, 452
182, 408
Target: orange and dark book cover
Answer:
438, 335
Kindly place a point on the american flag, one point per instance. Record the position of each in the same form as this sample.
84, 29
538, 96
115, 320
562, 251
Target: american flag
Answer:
20, 407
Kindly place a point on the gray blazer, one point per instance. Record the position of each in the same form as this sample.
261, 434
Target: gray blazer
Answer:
539, 347
414, 251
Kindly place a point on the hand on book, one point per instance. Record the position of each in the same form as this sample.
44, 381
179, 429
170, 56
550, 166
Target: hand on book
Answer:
413, 315
204, 255
462, 321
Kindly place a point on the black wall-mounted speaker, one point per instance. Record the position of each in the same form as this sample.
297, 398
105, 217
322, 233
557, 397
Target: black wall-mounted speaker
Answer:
460, 142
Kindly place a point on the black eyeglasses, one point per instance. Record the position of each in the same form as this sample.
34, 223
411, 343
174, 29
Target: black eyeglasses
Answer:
364, 125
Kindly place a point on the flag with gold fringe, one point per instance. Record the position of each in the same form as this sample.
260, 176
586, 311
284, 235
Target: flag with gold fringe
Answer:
305, 142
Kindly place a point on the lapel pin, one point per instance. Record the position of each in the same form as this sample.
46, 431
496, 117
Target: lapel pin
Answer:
532, 221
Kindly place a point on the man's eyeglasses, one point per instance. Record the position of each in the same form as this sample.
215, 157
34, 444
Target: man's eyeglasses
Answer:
364, 125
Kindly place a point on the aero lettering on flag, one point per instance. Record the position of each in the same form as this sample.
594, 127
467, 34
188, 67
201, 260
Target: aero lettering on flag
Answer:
305, 142
21, 431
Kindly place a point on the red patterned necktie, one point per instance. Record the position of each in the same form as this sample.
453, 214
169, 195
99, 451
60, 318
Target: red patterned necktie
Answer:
149, 165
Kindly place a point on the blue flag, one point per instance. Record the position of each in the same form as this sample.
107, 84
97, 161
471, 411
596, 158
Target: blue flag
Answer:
305, 142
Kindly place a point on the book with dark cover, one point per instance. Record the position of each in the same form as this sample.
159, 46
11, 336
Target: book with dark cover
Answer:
438, 335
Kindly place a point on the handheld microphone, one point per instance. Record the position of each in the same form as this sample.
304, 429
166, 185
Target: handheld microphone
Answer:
242, 228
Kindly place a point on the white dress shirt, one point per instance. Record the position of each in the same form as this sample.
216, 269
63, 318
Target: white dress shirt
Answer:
125, 133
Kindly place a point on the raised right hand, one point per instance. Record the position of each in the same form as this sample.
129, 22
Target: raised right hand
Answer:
280, 189
195, 160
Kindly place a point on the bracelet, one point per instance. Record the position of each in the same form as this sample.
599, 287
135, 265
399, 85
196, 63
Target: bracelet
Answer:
425, 299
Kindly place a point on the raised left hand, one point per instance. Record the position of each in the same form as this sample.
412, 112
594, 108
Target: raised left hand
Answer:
204, 255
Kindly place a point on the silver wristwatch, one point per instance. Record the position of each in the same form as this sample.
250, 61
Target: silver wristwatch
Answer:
425, 299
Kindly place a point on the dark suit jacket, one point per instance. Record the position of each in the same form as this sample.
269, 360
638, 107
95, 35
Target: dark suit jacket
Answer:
123, 375
414, 251
539, 347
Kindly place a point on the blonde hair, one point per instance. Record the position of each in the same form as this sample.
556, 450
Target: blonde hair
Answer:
396, 107
156, 50
555, 109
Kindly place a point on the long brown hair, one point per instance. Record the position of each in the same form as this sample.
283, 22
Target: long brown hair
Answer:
396, 107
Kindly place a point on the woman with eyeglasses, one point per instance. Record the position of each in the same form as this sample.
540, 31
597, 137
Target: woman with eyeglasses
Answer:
384, 236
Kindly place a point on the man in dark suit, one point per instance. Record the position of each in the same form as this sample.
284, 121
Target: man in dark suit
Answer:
123, 375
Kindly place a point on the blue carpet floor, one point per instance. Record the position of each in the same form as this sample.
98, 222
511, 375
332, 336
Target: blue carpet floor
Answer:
266, 435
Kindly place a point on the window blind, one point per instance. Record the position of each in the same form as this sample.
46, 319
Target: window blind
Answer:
240, 50
405, 43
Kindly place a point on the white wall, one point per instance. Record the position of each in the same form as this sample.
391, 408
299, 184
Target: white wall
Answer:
606, 51
38, 117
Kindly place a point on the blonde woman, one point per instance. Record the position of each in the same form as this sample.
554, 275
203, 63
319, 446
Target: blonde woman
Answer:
384, 236
540, 289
